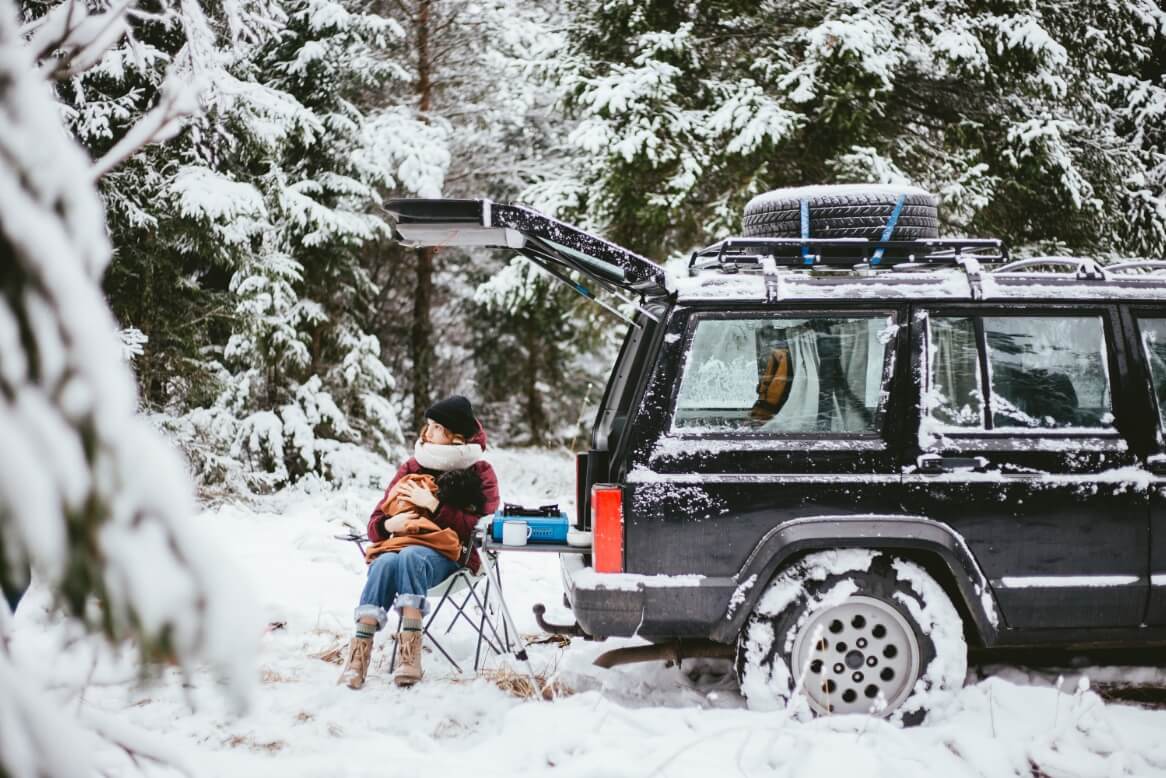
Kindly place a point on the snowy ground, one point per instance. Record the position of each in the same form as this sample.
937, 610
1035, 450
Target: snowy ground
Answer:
634, 720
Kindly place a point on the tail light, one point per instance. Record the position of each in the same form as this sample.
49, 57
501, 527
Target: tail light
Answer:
607, 528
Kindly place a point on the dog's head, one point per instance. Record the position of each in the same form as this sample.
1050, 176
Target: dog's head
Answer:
462, 489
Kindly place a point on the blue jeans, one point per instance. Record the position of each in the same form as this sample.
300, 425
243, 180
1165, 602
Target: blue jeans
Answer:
400, 579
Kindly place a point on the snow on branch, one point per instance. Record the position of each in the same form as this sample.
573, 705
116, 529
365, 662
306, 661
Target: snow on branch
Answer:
69, 39
98, 505
176, 102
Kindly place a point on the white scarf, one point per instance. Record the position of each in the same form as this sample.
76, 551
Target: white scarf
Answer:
431, 456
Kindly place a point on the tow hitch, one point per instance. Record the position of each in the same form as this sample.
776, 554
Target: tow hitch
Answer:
557, 629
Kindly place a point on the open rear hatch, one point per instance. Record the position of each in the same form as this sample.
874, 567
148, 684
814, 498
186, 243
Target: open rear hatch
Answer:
557, 247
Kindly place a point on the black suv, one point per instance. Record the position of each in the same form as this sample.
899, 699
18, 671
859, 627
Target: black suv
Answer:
844, 458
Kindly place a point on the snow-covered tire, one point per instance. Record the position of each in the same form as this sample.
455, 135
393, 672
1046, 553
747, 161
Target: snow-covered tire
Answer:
842, 212
853, 631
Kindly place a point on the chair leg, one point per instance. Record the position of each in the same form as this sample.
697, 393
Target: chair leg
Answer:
461, 614
444, 653
480, 627
444, 596
460, 610
486, 622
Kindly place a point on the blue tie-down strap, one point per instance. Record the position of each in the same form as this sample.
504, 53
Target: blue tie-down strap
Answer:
807, 258
877, 257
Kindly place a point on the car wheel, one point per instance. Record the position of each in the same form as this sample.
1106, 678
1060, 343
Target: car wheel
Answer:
841, 212
853, 631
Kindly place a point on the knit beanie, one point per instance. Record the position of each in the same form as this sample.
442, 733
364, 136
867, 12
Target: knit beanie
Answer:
455, 414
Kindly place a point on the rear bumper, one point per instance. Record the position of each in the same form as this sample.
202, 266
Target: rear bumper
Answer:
650, 606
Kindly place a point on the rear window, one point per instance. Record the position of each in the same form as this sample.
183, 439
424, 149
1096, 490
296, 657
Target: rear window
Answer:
1042, 372
785, 375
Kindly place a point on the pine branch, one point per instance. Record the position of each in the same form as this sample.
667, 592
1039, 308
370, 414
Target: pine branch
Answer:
160, 123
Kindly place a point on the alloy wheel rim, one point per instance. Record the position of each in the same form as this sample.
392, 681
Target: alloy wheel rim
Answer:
860, 656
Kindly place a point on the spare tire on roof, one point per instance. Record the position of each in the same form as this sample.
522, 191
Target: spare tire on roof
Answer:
842, 211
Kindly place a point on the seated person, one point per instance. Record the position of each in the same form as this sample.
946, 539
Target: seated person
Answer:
405, 563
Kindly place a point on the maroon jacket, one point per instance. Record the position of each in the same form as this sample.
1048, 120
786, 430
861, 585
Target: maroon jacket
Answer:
461, 521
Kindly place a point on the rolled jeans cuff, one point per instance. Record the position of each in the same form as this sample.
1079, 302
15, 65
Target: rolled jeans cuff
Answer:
372, 612
417, 601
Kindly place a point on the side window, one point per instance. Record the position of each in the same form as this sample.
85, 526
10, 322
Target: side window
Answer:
955, 397
1153, 333
1048, 371
776, 375
1044, 372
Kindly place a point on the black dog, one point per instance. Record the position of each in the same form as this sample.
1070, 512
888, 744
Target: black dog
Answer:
461, 489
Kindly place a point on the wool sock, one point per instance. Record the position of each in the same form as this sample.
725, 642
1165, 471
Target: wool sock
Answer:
365, 630
411, 625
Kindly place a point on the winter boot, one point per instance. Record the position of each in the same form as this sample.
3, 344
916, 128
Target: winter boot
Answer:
356, 668
408, 658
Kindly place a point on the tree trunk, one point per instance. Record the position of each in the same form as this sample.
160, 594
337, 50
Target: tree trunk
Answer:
422, 341
535, 414
422, 335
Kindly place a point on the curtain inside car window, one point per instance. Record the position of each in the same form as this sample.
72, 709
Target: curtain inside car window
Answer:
954, 395
1154, 343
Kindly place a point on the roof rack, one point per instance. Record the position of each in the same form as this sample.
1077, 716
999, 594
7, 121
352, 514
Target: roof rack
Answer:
1147, 265
735, 254
1086, 269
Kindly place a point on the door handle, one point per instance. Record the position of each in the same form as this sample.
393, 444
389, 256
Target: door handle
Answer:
934, 463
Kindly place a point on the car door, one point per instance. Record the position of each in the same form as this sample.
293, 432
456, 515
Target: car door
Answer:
1020, 453
757, 416
1147, 326
559, 248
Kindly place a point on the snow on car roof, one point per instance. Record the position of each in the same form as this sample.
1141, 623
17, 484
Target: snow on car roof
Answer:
947, 283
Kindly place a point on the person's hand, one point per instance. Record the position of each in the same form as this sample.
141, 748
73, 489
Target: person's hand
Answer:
420, 496
397, 523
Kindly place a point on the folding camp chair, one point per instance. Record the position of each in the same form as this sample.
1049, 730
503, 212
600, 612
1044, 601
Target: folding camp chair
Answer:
462, 579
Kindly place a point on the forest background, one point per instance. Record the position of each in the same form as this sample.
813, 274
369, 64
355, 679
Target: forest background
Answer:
208, 178
277, 332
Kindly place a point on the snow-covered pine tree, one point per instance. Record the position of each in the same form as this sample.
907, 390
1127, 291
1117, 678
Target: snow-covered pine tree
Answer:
239, 243
1036, 122
535, 349
90, 497
479, 70
306, 380
476, 70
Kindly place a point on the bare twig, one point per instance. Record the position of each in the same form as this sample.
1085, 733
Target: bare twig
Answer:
158, 124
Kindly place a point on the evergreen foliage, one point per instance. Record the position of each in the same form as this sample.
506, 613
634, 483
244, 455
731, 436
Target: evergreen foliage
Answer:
534, 345
479, 70
278, 332
241, 243
92, 501
1040, 123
